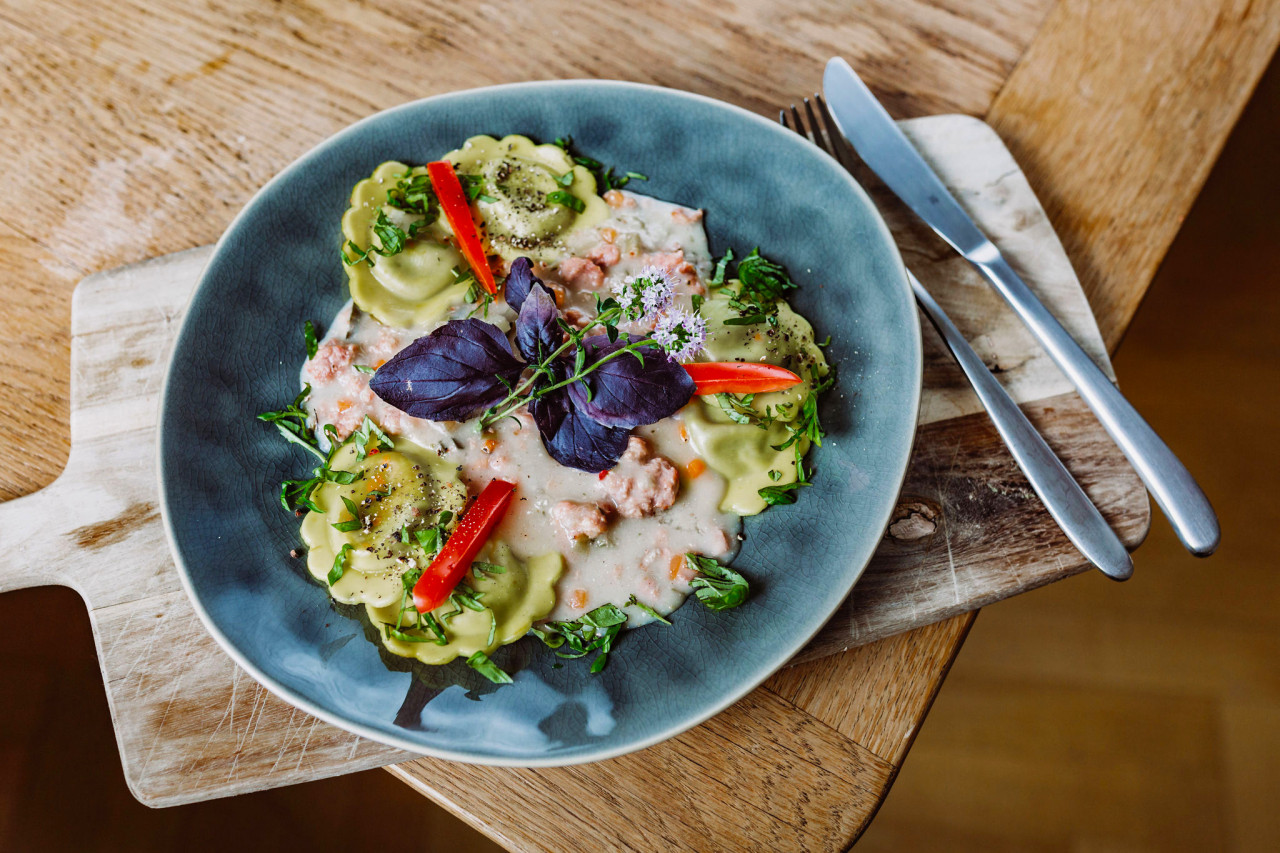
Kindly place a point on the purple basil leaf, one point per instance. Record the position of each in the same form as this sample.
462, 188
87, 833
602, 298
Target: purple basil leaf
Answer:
520, 280
450, 374
625, 393
573, 439
537, 333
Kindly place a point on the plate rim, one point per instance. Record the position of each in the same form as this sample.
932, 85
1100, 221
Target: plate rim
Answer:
587, 756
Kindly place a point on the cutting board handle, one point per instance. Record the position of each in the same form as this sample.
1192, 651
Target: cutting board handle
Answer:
87, 529
38, 539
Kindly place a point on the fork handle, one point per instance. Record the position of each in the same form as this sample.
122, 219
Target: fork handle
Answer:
1058, 490
1168, 480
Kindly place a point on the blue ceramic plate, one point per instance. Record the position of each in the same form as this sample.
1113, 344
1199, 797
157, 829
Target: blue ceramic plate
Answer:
240, 348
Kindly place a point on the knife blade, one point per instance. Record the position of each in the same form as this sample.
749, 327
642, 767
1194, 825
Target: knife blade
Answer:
887, 151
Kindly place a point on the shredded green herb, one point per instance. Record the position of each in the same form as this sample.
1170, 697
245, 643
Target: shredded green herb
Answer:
340, 564
481, 663
475, 187
808, 426
391, 238
480, 567
354, 523
761, 284
413, 193
635, 602
604, 175
428, 540
595, 631
718, 587
475, 292
291, 421
405, 637
357, 254
738, 408
434, 626
367, 436
309, 336
566, 199
722, 265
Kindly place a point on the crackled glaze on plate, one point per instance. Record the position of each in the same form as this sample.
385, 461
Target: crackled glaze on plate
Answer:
277, 266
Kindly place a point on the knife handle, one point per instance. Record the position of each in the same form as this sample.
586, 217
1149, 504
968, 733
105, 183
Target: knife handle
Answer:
1168, 480
1058, 490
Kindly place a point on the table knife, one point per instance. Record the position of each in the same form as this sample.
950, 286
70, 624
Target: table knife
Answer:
883, 147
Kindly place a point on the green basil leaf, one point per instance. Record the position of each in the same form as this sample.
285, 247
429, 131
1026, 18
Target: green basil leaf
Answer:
718, 587
717, 275
339, 564
780, 495
429, 540
355, 523
389, 235
309, 337
357, 254
434, 626
396, 634
566, 199
635, 602
481, 663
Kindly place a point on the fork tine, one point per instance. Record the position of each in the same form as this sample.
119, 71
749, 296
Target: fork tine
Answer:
814, 130
820, 133
839, 145
799, 123
785, 120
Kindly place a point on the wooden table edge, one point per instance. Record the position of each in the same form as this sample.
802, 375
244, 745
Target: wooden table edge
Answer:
923, 713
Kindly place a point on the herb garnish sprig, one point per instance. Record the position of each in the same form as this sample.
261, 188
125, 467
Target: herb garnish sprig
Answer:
293, 423
412, 194
605, 178
585, 391
594, 631
803, 431
429, 628
761, 284
718, 587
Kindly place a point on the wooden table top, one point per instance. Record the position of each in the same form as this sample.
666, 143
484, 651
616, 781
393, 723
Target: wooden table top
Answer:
134, 128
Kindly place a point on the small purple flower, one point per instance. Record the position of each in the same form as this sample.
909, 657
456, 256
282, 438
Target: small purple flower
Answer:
646, 294
681, 334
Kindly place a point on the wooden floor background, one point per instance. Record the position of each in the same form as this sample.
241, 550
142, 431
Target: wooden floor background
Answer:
1087, 716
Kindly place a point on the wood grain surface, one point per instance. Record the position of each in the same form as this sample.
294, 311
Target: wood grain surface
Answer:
138, 128
191, 725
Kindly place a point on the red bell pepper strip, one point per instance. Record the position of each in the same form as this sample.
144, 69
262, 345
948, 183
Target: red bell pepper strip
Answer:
457, 210
455, 558
739, 377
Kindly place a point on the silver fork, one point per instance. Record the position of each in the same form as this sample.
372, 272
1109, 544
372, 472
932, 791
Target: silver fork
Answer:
1058, 490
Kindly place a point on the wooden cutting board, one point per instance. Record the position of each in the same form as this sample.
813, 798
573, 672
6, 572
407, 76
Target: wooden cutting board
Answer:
967, 531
